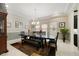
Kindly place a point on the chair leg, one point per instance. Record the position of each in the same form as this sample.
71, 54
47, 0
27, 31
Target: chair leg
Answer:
22, 41
56, 47
52, 51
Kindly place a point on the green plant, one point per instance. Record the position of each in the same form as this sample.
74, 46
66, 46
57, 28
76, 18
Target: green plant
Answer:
64, 32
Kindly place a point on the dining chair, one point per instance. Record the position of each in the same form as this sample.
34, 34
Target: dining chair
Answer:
54, 41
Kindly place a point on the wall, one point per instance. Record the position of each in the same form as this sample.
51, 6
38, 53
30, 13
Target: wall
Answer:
56, 22
13, 30
78, 24
71, 23
53, 25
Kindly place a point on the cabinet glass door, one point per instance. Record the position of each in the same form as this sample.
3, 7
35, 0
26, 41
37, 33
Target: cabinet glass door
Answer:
1, 25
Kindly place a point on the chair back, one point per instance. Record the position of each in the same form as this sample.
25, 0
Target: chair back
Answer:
22, 33
57, 36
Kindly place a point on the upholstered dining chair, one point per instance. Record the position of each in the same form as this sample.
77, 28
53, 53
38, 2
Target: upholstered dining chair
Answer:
54, 41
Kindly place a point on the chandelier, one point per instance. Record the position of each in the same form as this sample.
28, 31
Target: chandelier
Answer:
33, 21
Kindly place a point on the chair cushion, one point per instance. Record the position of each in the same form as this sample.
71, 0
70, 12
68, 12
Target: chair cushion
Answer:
52, 45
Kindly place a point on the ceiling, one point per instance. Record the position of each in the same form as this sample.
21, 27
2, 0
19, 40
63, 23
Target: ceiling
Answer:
35, 10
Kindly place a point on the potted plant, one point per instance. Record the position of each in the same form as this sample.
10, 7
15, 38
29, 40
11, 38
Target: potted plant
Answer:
64, 32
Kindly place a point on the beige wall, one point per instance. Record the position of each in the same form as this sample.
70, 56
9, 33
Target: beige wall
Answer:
58, 20
52, 20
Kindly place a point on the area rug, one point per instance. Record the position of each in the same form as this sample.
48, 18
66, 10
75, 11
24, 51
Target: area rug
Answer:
30, 50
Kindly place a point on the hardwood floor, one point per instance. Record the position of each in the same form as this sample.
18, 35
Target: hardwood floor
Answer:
30, 50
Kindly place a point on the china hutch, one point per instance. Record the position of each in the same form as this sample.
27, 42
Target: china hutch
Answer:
3, 32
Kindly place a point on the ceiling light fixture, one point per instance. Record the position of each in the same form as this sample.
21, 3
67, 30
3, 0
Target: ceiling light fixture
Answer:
38, 22
34, 22
6, 5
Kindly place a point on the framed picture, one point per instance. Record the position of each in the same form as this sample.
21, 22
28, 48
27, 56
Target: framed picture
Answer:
61, 24
16, 24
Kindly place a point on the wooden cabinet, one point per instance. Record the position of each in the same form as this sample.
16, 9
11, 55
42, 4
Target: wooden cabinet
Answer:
3, 32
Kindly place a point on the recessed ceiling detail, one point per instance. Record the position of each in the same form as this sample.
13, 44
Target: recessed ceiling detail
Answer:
42, 9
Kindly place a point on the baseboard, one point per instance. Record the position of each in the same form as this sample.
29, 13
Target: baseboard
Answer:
13, 41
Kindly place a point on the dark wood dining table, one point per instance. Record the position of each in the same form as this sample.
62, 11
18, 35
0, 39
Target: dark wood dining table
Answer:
41, 38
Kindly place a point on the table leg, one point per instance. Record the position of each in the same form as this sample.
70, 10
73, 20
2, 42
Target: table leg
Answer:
45, 43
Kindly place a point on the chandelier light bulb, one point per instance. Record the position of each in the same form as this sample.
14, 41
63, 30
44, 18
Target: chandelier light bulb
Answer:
6, 5
38, 22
